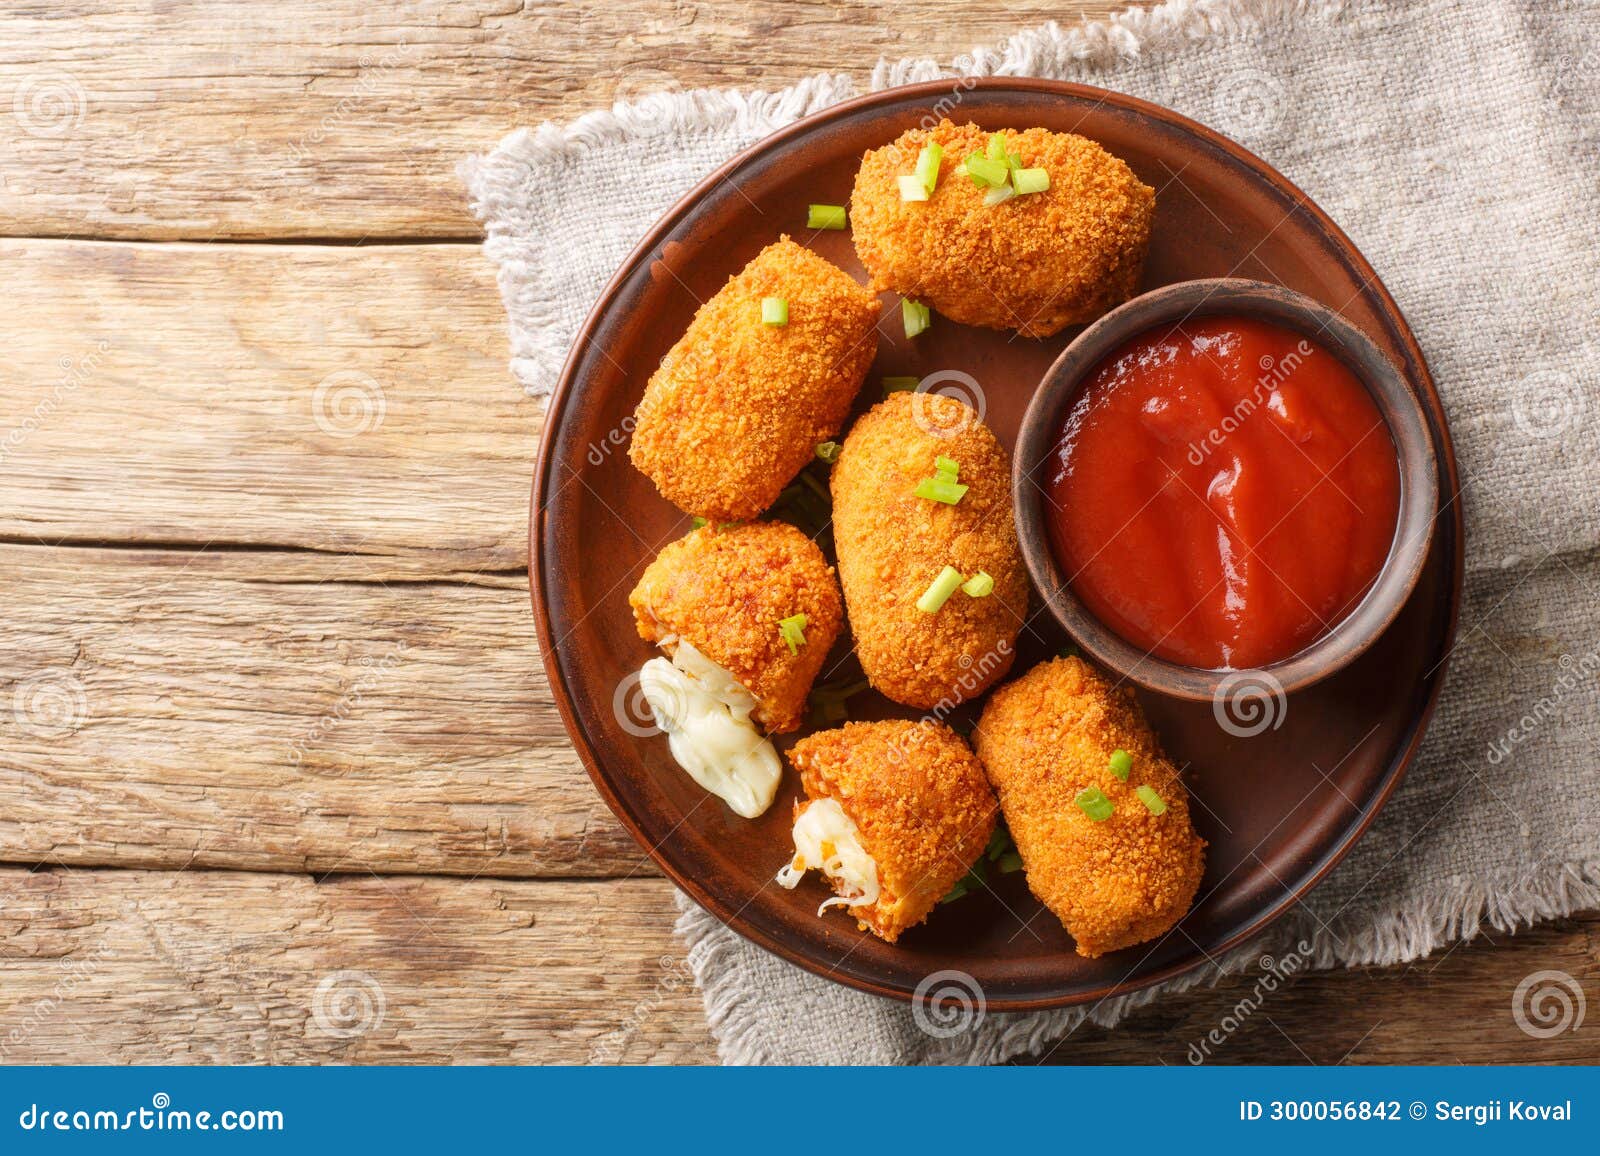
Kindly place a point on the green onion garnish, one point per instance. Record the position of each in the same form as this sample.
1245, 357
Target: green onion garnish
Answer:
999, 195
928, 161
1092, 801
915, 315
912, 189
793, 631
699, 522
984, 171
980, 585
1013, 161
946, 465
1031, 180
774, 311
828, 451
1008, 862
939, 593
1121, 764
997, 147
900, 384
1152, 801
941, 490
825, 217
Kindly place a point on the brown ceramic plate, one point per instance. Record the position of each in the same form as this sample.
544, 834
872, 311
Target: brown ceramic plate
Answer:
1279, 807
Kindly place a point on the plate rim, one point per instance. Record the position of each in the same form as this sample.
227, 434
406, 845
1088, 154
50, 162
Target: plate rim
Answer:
1449, 499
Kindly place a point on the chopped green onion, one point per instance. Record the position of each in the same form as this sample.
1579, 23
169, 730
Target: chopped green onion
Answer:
900, 384
962, 886
941, 490
985, 171
774, 311
827, 701
1031, 180
946, 465
997, 147
915, 315
1009, 862
999, 195
828, 451
939, 593
1092, 801
699, 522
1152, 801
980, 585
1013, 161
928, 161
825, 217
912, 189
793, 631
1121, 764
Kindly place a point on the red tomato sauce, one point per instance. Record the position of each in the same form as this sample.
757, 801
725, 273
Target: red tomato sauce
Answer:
1223, 492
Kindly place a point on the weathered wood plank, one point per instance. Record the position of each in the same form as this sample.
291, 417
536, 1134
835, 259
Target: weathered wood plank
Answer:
209, 119
236, 968
349, 400
226, 967
1454, 1007
277, 711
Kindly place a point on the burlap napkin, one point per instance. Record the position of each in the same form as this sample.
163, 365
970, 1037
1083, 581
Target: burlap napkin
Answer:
1456, 143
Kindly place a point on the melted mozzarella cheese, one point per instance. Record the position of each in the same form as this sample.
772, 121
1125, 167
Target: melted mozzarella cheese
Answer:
826, 839
706, 715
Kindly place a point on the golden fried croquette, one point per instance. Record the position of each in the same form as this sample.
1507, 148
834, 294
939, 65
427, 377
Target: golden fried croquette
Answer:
1046, 737
920, 806
737, 407
1035, 263
892, 544
724, 591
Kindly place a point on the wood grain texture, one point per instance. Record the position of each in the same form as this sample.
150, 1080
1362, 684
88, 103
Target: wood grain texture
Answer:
232, 967
284, 711
347, 400
237, 968
207, 119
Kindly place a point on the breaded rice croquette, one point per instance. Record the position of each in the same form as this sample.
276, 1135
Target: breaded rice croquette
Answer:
725, 591
1047, 738
896, 813
1036, 262
738, 406
892, 545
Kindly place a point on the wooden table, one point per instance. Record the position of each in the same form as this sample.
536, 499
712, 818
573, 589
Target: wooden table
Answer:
277, 750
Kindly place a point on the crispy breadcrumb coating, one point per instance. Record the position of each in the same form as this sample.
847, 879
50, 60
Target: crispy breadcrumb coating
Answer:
917, 794
1114, 883
1035, 263
725, 590
893, 544
737, 407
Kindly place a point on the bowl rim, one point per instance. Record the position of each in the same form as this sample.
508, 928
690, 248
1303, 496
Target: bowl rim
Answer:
568, 383
1398, 404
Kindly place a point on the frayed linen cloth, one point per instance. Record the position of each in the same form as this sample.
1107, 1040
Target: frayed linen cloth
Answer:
1456, 143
